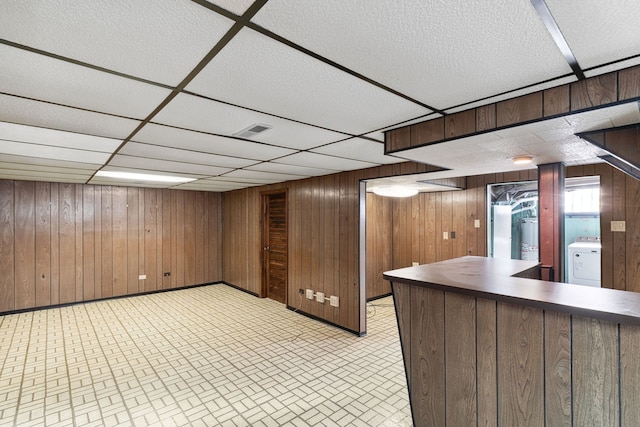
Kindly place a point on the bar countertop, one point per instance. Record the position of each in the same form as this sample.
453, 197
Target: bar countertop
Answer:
496, 279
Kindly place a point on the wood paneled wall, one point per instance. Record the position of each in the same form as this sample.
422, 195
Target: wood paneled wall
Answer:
418, 223
63, 243
323, 240
472, 361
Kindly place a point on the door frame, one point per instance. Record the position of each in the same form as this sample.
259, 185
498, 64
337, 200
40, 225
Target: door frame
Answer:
264, 206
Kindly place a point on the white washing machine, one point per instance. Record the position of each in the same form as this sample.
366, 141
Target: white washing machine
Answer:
584, 261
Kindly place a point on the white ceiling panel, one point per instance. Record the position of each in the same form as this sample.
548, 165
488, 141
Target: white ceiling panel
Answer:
56, 138
214, 184
27, 168
50, 163
613, 67
122, 183
40, 77
237, 7
166, 166
321, 161
158, 41
257, 176
358, 149
51, 152
47, 115
205, 143
302, 171
257, 72
192, 112
598, 32
430, 50
27, 175
185, 156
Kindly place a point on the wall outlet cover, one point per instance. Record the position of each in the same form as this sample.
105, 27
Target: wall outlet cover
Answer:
320, 297
618, 226
309, 294
476, 223
415, 264
142, 277
334, 301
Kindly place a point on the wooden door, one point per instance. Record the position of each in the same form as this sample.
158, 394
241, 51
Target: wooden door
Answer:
274, 264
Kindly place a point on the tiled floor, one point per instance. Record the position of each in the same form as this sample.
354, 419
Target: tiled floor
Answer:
202, 356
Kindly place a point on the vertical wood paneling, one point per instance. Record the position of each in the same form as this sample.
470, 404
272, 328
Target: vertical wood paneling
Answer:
120, 255
629, 369
402, 303
557, 355
88, 242
25, 244
55, 243
67, 243
460, 356
43, 244
189, 238
168, 223
132, 241
79, 270
619, 246
150, 240
632, 235
427, 377
487, 369
107, 242
595, 372
199, 231
7, 246
97, 197
520, 366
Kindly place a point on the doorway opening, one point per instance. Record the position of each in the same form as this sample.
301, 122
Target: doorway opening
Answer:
274, 246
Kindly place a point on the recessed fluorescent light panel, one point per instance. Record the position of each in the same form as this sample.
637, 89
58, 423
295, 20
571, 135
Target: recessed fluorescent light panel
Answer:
143, 177
252, 131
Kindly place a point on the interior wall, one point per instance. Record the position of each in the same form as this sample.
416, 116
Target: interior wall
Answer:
63, 243
323, 240
418, 223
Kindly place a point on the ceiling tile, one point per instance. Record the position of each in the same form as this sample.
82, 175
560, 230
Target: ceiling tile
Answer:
257, 177
238, 7
257, 72
314, 160
31, 175
598, 32
192, 112
167, 166
205, 143
358, 149
302, 171
56, 138
47, 79
37, 162
185, 156
47, 115
51, 152
158, 41
214, 184
429, 50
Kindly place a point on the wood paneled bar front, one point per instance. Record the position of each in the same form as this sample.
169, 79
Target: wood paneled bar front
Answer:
484, 343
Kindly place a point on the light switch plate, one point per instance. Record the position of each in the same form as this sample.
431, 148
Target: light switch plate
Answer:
618, 226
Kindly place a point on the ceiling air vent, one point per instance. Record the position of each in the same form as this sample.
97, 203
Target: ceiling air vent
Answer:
252, 131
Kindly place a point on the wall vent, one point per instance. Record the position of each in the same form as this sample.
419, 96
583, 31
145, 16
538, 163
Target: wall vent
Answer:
252, 131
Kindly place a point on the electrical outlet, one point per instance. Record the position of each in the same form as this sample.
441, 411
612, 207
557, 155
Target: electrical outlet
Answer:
320, 297
415, 264
334, 301
309, 294
452, 234
445, 235
142, 277
301, 291
166, 274
476, 223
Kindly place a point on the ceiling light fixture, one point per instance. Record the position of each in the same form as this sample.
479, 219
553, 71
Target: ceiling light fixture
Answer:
522, 160
395, 191
143, 177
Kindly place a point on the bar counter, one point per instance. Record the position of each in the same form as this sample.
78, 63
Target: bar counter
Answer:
486, 344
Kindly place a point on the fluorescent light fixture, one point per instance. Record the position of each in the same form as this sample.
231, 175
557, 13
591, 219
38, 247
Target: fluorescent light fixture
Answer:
143, 177
395, 191
522, 160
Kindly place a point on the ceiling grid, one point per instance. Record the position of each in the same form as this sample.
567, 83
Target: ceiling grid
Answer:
161, 88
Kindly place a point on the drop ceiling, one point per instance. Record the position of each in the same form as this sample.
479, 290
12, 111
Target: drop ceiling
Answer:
162, 87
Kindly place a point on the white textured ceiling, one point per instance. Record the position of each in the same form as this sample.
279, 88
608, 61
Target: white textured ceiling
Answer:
162, 87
